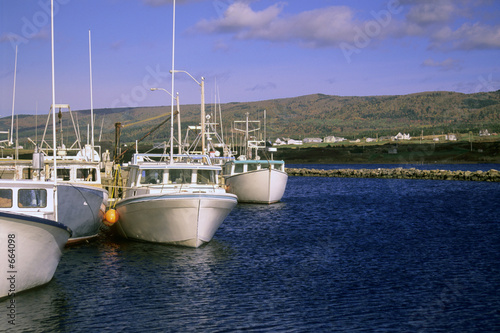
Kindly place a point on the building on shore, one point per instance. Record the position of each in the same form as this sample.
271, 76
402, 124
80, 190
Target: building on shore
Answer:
312, 140
401, 136
333, 139
484, 133
286, 141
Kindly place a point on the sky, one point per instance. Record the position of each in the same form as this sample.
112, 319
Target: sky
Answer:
246, 50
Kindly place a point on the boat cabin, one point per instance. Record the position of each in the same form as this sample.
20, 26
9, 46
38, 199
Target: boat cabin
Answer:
185, 172
34, 198
67, 171
241, 166
166, 175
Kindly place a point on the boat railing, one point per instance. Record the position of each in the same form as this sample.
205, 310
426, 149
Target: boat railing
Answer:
176, 188
186, 158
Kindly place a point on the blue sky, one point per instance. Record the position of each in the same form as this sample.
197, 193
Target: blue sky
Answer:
248, 50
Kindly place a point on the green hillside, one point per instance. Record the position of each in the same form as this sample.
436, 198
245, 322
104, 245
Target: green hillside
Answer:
315, 115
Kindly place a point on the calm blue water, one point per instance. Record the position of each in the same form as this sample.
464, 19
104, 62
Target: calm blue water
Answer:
337, 254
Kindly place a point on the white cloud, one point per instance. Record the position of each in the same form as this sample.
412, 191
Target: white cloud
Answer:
240, 18
476, 36
319, 27
435, 12
445, 65
334, 26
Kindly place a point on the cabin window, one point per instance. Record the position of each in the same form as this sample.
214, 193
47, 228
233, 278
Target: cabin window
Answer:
63, 174
206, 177
179, 176
152, 176
32, 198
238, 168
5, 198
252, 167
86, 174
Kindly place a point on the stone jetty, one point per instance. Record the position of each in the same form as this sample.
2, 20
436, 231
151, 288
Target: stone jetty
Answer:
399, 173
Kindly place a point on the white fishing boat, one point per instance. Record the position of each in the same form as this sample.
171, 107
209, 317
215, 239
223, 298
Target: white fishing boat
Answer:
83, 210
179, 203
256, 181
86, 208
28, 229
252, 178
33, 247
173, 199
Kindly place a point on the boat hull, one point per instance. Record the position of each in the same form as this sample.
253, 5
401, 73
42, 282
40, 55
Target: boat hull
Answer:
34, 247
260, 186
83, 209
188, 219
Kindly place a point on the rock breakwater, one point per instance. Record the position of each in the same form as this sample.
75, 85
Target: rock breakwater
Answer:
399, 173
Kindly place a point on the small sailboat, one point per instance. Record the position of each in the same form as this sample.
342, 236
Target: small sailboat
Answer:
253, 179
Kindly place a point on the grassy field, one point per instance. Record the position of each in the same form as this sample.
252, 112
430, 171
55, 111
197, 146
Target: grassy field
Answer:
481, 150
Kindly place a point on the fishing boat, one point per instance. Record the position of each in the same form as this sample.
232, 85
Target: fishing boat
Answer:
178, 203
173, 198
86, 207
83, 199
33, 239
33, 247
252, 178
74, 181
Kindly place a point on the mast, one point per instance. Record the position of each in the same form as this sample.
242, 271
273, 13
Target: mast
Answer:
91, 101
172, 94
53, 108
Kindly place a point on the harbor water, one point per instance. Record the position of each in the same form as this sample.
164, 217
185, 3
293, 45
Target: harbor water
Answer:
336, 255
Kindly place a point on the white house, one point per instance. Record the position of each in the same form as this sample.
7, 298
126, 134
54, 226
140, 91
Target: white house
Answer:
331, 139
312, 140
400, 136
279, 142
484, 133
294, 142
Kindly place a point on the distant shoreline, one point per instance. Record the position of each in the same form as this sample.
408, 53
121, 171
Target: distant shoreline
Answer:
394, 153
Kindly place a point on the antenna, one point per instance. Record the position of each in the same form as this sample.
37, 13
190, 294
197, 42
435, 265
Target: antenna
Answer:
11, 139
100, 133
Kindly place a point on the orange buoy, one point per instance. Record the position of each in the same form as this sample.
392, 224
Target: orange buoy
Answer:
110, 217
